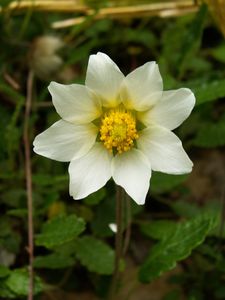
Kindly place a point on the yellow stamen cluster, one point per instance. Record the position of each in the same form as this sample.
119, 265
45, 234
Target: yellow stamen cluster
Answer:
118, 130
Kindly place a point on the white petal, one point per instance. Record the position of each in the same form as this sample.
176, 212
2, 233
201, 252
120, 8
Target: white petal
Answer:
132, 171
172, 109
64, 141
74, 102
113, 227
90, 172
164, 150
105, 78
142, 88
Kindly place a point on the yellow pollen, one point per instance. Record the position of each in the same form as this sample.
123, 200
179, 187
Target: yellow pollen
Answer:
118, 130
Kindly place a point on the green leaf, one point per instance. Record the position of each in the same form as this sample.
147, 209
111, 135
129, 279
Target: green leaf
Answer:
186, 209
191, 210
211, 135
175, 246
5, 117
60, 230
210, 91
9, 238
158, 229
161, 183
14, 96
18, 283
141, 36
182, 39
53, 261
41, 179
219, 53
19, 212
5, 292
4, 271
95, 255
14, 198
192, 38
96, 197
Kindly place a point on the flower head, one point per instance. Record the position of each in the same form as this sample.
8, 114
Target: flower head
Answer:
117, 126
44, 59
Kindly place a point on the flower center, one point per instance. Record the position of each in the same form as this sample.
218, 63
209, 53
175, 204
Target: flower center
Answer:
118, 130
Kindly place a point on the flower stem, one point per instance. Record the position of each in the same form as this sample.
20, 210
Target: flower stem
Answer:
28, 172
118, 242
128, 223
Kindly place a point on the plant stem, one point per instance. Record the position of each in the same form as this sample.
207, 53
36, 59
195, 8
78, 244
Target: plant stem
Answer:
118, 242
119, 219
128, 222
29, 181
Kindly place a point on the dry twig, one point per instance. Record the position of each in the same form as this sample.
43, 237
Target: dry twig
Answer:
162, 9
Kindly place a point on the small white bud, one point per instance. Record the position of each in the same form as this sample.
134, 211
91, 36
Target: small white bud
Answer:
113, 227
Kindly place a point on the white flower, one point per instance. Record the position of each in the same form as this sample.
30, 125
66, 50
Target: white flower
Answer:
117, 126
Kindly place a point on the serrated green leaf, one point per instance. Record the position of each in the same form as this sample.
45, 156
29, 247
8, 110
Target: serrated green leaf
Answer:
176, 246
18, 283
211, 135
66, 249
192, 210
60, 230
53, 261
161, 183
95, 255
